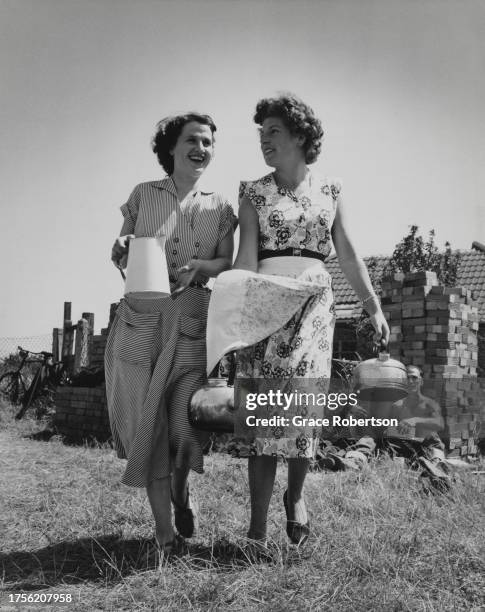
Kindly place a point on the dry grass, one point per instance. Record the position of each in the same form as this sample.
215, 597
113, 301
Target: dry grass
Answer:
378, 543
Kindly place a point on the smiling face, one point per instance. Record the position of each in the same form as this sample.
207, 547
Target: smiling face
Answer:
278, 144
194, 149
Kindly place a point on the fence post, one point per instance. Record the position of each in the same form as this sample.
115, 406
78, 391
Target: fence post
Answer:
81, 351
67, 337
57, 343
89, 317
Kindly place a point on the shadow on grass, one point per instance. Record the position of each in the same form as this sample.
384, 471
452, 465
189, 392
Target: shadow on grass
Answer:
45, 435
110, 558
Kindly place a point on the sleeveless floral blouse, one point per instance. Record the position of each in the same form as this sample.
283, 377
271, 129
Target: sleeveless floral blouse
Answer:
301, 219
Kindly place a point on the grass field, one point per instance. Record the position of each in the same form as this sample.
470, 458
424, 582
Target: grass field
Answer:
378, 542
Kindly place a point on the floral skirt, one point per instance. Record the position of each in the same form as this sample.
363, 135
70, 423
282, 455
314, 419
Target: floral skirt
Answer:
298, 356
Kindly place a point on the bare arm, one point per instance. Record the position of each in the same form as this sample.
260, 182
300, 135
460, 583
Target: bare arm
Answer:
197, 269
222, 261
433, 422
436, 413
119, 250
356, 273
247, 255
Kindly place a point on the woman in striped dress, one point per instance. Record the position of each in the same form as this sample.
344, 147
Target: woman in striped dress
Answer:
156, 356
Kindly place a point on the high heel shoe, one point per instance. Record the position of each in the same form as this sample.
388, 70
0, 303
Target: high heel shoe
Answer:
185, 516
297, 532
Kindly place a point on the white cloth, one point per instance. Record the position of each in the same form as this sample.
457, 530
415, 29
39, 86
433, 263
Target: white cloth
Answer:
246, 307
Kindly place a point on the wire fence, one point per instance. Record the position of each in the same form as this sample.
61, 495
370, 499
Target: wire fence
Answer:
30, 343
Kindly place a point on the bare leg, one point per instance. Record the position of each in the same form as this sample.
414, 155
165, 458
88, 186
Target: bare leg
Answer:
185, 449
158, 492
261, 472
297, 471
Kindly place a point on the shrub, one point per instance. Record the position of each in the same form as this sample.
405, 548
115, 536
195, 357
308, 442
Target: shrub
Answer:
413, 254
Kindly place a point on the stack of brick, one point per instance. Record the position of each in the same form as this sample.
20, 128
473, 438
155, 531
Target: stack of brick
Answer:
96, 358
81, 413
435, 328
452, 347
391, 300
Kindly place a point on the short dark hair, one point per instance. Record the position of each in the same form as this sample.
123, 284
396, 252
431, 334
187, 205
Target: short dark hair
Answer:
298, 117
415, 368
168, 132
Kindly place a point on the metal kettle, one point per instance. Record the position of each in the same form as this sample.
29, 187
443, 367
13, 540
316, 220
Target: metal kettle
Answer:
211, 407
380, 379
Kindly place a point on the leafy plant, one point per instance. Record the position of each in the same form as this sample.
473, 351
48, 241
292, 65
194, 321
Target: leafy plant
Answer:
449, 264
413, 254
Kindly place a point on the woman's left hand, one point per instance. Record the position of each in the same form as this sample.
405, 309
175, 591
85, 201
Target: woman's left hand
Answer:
381, 328
187, 274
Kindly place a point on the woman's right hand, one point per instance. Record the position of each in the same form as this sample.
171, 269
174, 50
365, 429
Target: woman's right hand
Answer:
119, 252
381, 327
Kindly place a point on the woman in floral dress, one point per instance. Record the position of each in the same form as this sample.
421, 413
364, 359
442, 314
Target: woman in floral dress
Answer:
289, 220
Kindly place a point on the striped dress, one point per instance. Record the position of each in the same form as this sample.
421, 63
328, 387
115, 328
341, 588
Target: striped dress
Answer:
156, 355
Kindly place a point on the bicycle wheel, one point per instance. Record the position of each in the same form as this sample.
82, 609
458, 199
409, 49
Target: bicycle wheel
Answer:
31, 393
11, 386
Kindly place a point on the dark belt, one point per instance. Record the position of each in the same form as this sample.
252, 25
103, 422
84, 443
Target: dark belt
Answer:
290, 252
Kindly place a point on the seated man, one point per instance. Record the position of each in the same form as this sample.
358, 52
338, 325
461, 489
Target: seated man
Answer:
415, 438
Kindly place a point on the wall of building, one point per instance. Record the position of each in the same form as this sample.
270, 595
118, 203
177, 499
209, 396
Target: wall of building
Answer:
81, 413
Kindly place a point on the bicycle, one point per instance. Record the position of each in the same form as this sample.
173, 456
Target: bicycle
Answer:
48, 376
12, 384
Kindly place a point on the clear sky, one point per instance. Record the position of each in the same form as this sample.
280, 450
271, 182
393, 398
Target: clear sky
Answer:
398, 84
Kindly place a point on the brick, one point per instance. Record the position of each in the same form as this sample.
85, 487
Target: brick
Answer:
441, 345
416, 360
410, 335
435, 360
392, 307
417, 279
420, 291
444, 352
461, 291
415, 352
440, 368
417, 312
415, 321
412, 345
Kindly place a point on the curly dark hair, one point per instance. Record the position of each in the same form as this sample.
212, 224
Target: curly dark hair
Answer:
298, 117
168, 132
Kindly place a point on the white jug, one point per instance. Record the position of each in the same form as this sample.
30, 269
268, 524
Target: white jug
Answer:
146, 272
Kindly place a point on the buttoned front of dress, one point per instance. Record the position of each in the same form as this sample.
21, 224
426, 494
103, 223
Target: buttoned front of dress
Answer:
192, 231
